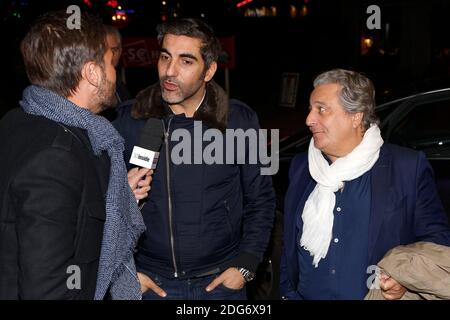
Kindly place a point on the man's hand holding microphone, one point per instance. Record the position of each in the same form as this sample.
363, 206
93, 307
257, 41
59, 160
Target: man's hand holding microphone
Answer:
139, 180
145, 157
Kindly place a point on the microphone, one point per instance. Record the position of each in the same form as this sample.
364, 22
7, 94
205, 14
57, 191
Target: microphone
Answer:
146, 154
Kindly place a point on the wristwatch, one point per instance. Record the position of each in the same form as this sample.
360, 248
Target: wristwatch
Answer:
247, 274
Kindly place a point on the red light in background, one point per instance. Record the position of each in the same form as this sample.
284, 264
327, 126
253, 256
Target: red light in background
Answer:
240, 4
112, 3
88, 3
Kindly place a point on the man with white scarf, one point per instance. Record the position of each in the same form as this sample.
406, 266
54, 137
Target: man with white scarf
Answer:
352, 197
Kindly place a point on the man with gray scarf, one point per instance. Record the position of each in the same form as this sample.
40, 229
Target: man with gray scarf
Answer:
69, 220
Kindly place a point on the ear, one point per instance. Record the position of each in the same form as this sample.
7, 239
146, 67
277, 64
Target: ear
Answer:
357, 119
91, 73
211, 71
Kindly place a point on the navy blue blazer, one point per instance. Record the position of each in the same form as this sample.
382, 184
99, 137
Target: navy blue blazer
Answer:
405, 208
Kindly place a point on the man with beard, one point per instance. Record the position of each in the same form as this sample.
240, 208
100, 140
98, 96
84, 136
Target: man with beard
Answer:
208, 225
69, 220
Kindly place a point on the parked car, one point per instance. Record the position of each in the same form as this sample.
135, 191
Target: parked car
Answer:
419, 121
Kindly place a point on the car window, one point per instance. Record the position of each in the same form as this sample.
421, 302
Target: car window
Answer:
295, 144
383, 111
425, 127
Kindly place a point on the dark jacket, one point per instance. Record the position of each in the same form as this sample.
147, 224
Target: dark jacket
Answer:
52, 209
405, 208
220, 215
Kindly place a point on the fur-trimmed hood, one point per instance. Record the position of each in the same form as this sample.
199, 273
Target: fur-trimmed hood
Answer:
213, 111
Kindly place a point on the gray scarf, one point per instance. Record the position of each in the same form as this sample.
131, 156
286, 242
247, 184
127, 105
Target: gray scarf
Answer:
124, 222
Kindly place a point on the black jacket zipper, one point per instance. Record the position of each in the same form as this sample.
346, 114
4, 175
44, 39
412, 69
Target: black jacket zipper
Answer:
169, 197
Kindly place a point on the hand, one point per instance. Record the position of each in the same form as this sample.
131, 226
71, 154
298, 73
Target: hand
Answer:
390, 288
230, 278
139, 186
149, 284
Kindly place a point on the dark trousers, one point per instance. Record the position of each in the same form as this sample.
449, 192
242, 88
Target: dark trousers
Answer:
192, 289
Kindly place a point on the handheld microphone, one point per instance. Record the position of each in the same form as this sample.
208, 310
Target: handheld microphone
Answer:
146, 154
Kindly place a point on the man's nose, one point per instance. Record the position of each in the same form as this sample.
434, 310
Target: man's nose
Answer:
310, 119
171, 70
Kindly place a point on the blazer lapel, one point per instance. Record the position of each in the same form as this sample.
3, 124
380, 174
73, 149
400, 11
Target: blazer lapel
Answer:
379, 182
302, 186
296, 196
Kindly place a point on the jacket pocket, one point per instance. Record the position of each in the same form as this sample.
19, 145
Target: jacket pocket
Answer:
90, 232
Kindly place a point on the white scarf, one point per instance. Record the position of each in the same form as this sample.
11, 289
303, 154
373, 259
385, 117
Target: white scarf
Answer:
318, 211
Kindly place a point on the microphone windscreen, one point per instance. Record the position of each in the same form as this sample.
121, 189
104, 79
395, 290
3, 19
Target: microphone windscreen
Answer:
152, 135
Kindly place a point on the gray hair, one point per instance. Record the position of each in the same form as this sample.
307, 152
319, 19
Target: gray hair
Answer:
357, 93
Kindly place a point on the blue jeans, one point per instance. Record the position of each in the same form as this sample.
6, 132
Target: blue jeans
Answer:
192, 289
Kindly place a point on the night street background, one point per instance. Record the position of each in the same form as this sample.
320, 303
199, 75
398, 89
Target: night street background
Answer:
410, 52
